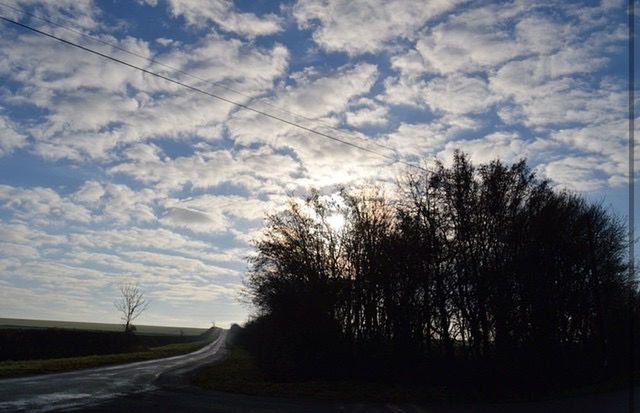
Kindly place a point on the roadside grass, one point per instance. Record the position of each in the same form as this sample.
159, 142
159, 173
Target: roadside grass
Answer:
238, 373
58, 365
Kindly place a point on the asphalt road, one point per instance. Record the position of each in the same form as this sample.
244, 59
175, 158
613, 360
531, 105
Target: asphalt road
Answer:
83, 388
162, 386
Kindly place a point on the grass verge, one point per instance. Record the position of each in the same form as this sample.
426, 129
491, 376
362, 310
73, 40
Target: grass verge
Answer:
238, 373
29, 367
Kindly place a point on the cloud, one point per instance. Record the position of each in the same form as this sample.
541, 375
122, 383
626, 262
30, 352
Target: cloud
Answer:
320, 97
95, 107
317, 96
508, 147
363, 26
188, 293
18, 233
10, 138
424, 140
611, 4
545, 97
450, 48
454, 94
89, 194
194, 220
83, 12
459, 95
368, 112
178, 264
41, 205
122, 239
187, 216
403, 90
18, 250
222, 13
209, 167
577, 173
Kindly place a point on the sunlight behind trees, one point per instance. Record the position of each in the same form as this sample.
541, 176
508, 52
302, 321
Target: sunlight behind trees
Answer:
466, 267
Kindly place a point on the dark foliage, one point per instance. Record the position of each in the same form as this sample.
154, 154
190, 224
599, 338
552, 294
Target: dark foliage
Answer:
481, 276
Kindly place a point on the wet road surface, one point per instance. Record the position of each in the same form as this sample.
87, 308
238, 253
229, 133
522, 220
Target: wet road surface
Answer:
86, 387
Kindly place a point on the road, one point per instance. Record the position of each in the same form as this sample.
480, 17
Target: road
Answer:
83, 388
161, 386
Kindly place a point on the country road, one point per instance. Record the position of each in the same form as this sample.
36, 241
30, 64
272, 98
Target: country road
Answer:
160, 386
82, 388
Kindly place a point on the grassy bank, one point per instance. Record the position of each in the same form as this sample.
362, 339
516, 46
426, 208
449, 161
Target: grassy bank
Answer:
238, 373
57, 365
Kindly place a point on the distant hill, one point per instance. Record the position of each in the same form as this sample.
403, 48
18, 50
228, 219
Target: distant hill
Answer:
74, 325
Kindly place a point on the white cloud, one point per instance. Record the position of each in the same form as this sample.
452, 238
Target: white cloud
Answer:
424, 140
364, 26
459, 95
234, 62
320, 96
177, 264
450, 48
611, 4
209, 167
123, 205
94, 106
19, 233
111, 203
540, 35
221, 12
543, 100
409, 63
508, 147
84, 12
315, 96
10, 249
10, 138
89, 194
454, 94
403, 90
177, 292
577, 173
376, 115
40, 205
158, 238
480, 38
194, 220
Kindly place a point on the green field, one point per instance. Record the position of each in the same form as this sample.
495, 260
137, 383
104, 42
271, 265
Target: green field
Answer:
74, 325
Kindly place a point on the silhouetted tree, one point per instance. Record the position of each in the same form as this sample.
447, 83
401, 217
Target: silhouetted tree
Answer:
131, 304
485, 265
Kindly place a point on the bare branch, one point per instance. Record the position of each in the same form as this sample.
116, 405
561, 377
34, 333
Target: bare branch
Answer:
131, 304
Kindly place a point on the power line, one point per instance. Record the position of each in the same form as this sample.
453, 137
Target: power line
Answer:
185, 73
196, 89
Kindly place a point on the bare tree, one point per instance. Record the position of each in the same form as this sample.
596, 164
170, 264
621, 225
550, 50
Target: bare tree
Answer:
131, 304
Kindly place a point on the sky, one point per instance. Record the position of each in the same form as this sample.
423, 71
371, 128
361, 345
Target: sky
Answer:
109, 175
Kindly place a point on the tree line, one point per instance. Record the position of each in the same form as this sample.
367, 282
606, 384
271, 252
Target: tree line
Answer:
465, 273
